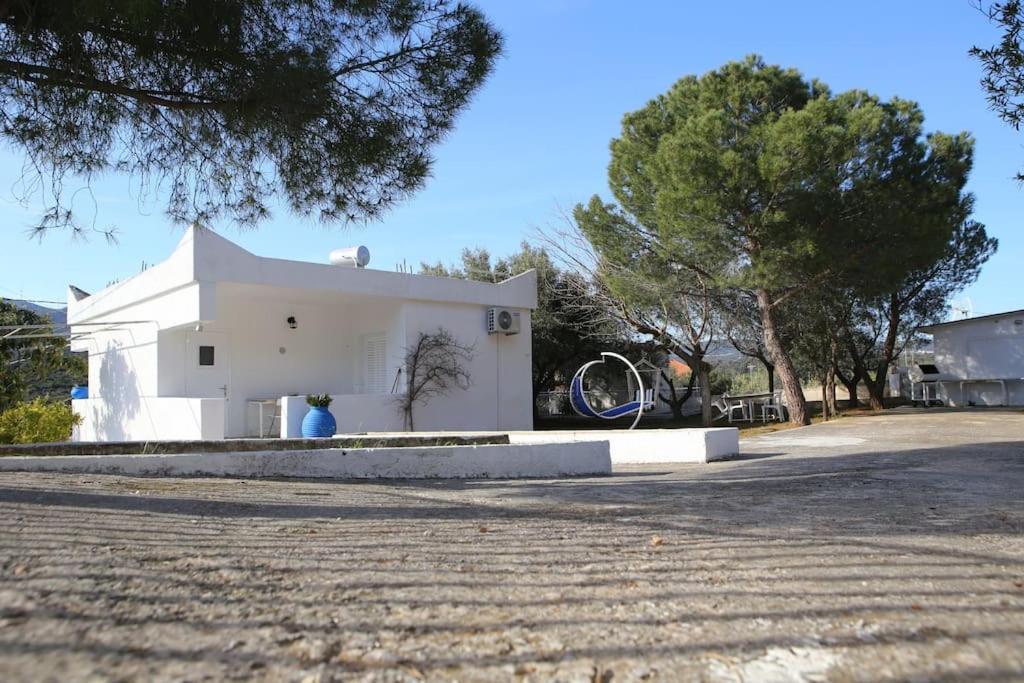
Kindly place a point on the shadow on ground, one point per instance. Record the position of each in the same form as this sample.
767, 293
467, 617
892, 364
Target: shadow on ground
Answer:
881, 564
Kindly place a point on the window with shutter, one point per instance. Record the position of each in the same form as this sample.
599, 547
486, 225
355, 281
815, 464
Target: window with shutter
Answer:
374, 370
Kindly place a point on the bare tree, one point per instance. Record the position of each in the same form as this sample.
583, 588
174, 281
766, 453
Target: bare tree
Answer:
676, 398
435, 365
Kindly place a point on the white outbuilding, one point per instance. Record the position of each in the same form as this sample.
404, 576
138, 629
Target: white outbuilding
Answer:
216, 342
979, 361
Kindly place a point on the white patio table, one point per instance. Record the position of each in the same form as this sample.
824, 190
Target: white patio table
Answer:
750, 400
261, 404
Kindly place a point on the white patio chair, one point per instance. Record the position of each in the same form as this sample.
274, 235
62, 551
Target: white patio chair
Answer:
731, 406
774, 407
648, 399
723, 408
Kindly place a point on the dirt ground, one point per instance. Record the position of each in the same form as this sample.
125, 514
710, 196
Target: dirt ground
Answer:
883, 547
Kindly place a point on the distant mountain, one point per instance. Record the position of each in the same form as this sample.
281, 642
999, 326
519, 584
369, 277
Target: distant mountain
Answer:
57, 315
721, 352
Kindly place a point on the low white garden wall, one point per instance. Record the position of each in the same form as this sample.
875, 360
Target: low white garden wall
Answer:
650, 445
149, 418
430, 462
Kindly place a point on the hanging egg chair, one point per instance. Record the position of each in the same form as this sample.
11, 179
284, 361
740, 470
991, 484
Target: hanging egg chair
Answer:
643, 399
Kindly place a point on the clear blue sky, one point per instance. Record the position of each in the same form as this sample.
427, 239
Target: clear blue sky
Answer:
535, 139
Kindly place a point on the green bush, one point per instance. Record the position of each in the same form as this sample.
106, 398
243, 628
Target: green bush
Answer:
737, 378
721, 382
36, 422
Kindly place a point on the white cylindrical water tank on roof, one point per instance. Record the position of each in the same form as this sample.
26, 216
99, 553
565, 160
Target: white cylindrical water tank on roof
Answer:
353, 257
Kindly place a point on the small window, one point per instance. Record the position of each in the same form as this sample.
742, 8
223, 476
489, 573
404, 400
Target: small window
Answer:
206, 355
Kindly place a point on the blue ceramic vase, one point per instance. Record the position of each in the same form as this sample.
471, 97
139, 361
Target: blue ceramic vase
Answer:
318, 423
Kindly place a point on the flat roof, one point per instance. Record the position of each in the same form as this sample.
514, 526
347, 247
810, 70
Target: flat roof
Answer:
203, 260
1005, 314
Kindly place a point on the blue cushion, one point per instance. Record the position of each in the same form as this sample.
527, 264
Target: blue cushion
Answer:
619, 411
578, 400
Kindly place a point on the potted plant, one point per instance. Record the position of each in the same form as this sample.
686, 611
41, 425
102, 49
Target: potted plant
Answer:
318, 422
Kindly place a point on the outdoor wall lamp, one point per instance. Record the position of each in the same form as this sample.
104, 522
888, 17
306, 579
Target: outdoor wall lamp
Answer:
292, 323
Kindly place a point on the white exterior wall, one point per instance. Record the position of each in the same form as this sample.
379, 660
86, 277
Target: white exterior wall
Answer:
501, 373
123, 364
122, 371
988, 348
354, 413
498, 398
122, 333
155, 419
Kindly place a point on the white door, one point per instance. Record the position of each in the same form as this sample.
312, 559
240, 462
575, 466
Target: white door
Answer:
206, 365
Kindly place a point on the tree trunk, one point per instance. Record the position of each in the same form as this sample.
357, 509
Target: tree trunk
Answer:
677, 411
704, 380
851, 385
830, 378
858, 375
770, 369
876, 386
824, 400
795, 402
850, 382
876, 397
674, 401
830, 393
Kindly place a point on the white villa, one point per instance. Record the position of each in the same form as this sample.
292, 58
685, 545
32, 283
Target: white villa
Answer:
216, 342
980, 361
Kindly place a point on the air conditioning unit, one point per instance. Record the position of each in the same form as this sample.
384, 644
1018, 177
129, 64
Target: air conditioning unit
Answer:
502, 321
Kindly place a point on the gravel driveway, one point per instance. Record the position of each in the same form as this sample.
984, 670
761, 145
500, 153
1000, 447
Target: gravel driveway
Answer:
887, 547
